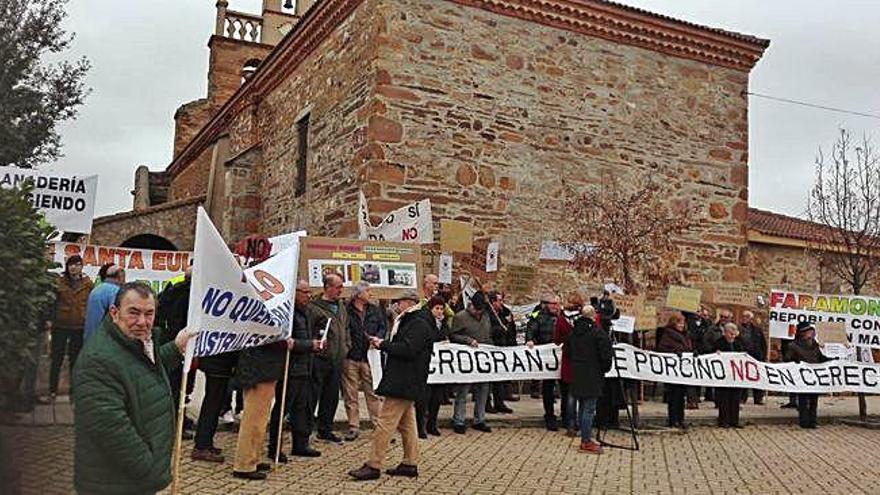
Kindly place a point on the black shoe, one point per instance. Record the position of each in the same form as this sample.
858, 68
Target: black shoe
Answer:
460, 429
253, 475
329, 437
364, 473
264, 467
790, 405
306, 452
434, 431
404, 470
423, 435
282, 458
504, 410
550, 424
482, 427
491, 410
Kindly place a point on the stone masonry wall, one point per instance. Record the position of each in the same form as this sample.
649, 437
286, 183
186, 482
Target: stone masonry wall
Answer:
174, 221
494, 117
334, 83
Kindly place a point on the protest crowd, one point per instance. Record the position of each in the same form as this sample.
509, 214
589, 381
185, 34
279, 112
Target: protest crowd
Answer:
125, 345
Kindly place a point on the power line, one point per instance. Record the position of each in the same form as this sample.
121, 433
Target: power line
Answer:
813, 105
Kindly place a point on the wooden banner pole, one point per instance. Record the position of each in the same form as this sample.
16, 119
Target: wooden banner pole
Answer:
283, 409
178, 439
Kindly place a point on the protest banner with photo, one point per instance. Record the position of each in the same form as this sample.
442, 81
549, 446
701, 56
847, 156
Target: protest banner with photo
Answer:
860, 314
235, 308
410, 223
444, 274
454, 363
389, 267
683, 298
492, 257
66, 201
151, 266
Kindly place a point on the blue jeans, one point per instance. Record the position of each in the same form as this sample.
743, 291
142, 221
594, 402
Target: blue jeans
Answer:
481, 390
571, 412
587, 411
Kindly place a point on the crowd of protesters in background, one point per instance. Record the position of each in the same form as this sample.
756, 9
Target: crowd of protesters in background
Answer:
328, 358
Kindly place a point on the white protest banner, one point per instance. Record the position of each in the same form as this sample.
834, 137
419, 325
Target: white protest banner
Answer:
67, 201
234, 309
454, 363
444, 274
284, 241
861, 314
151, 266
469, 287
492, 257
410, 223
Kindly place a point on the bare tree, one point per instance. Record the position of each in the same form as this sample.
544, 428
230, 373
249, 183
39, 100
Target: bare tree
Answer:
627, 234
846, 200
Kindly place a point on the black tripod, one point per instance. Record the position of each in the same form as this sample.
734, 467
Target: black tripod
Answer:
602, 431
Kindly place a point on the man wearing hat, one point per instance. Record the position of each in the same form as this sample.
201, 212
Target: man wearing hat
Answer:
472, 327
805, 349
404, 380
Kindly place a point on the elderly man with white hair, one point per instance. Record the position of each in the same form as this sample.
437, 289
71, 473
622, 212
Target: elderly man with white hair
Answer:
365, 320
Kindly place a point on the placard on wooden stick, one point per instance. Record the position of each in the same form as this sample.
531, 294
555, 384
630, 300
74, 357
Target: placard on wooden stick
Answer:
456, 237
683, 298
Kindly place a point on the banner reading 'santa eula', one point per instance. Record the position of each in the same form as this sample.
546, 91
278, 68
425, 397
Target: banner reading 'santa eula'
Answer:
861, 314
453, 363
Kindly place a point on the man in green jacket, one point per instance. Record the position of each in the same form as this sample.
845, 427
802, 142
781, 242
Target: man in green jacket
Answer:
124, 413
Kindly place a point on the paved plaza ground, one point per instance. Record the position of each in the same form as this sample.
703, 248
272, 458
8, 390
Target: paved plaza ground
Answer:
768, 456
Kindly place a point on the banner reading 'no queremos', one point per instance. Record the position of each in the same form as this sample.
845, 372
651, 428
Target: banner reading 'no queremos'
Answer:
67, 201
453, 363
860, 314
234, 309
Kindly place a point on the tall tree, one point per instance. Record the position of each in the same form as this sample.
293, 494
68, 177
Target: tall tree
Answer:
627, 234
36, 93
846, 200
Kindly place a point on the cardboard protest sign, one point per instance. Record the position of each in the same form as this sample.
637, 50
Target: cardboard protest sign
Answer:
410, 223
730, 294
153, 267
389, 267
628, 305
67, 201
860, 314
518, 279
646, 319
456, 237
831, 332
683, 298
234, 309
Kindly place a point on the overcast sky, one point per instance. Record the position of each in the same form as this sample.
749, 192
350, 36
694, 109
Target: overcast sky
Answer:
151, 56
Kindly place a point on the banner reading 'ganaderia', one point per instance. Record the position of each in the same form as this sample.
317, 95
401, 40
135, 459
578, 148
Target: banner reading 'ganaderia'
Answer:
861, 314
67, 201
453, 363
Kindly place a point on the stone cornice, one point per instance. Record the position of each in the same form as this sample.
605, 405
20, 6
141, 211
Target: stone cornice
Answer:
599, 18
636, 27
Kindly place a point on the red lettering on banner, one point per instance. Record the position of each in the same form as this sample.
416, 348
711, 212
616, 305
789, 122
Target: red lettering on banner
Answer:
736, 369
88, 255
175, 263
271, 284
136, 261
752, 372
70, 250
159, 261
409, 234
106, 255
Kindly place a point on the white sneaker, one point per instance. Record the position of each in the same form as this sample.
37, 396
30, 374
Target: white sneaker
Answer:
238, 417
227, 418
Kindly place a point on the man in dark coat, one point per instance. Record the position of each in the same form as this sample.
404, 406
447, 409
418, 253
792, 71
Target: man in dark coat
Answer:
365, 320
404, 380
124, 415
171, 318
471, 327
805, 349
539, 330
697, 324
710, 339
503, 330
327, 370
300, 404
589, 352
756, 345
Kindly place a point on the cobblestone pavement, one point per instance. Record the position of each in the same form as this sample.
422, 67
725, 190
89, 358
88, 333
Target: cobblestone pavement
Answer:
758, 459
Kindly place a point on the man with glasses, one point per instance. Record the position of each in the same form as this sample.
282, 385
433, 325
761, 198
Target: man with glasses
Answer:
539, 330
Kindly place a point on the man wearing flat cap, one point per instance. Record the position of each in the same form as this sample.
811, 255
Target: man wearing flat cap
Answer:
472, 327
404, 379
